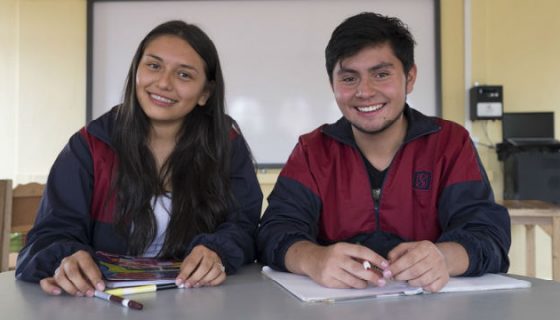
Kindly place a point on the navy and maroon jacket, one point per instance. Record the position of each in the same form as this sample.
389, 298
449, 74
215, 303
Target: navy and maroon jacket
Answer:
435, 189
76, 214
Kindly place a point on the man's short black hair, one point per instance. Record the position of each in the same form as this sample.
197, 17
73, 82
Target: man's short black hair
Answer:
369, 29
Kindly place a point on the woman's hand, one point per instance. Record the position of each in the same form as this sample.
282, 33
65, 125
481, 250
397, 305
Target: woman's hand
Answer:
77, 275
202, 267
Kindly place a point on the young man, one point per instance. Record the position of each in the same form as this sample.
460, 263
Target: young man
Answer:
385, 184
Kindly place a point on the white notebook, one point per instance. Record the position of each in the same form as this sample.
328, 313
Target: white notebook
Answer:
309, 291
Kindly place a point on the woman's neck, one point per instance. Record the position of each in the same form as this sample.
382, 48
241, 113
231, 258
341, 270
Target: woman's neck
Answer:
162, 141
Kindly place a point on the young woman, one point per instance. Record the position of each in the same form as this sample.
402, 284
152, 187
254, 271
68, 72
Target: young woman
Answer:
165, 174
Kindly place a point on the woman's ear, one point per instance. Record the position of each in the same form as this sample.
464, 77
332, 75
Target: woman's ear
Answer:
206, 93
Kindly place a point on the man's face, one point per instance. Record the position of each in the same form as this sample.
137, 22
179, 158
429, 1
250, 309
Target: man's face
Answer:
370, 88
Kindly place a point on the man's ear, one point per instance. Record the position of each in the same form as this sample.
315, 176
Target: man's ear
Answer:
411, 79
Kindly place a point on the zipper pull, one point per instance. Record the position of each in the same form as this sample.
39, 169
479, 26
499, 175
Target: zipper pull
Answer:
376, 193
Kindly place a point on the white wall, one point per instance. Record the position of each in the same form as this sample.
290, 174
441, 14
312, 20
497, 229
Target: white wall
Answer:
272, 55
42, 83
8, 86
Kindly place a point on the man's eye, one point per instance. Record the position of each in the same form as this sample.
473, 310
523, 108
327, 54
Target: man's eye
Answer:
382, 75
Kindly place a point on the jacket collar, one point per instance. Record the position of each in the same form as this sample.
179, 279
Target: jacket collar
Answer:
102, 127
418, 125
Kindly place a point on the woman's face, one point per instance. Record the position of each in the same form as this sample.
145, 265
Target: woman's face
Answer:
170, 80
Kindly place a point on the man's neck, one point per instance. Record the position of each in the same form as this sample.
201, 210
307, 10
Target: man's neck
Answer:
380, 148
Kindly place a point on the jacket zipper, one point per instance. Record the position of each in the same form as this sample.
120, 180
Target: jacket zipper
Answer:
376, 195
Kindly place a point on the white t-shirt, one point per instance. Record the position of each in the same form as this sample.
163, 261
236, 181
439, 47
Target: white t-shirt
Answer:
162, 210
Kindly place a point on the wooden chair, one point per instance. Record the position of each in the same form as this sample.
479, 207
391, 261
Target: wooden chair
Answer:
18, 208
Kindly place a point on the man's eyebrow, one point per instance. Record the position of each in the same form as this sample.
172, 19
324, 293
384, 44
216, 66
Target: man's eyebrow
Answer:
381, 66
371, 69
343, 69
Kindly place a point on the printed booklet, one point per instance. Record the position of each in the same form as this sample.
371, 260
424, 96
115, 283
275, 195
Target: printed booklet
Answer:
125, 271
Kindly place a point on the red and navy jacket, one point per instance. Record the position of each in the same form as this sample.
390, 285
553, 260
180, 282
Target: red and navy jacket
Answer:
76, 209
435, 189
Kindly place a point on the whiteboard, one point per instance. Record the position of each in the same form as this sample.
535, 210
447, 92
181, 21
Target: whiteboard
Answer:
272, 55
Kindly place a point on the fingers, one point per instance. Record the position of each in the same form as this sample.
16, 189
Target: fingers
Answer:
371, 265
341, 266
220, 276
206, 272
341, 279
421, 263
202, 267
399, 251
91, 273
77, 275
430, 281
356, 276
49, 286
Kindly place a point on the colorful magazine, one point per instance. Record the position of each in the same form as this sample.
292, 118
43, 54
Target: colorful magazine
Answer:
121, 270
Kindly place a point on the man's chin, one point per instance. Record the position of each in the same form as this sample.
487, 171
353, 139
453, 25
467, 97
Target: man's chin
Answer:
373, 130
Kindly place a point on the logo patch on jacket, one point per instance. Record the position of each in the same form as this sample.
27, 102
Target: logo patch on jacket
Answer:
422, 180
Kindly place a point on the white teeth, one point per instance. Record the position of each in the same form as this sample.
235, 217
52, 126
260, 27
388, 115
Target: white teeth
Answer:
370, 108
160, 98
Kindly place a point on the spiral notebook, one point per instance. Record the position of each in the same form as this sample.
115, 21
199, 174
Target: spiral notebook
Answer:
307, 290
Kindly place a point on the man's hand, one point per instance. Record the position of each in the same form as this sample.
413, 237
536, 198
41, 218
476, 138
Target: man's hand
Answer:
78, 275
335, 266
427, 265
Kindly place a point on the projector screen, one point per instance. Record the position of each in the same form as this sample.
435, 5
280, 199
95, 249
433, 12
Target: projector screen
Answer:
272, 55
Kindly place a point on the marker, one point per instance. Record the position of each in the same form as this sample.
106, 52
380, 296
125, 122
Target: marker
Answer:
120, 300
142, 289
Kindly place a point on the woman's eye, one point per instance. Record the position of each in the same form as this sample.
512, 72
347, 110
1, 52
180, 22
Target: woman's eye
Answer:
184, 75
153, 66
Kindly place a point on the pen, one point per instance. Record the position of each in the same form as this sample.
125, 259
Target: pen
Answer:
120, 300
142, 289
368, 266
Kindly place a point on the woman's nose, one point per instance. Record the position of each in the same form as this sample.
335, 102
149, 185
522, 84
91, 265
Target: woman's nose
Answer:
164, 81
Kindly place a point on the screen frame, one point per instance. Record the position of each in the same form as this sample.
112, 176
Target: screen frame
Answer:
90, 67
524, 118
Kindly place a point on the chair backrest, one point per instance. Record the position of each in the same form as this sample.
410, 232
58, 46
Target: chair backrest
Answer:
18, 208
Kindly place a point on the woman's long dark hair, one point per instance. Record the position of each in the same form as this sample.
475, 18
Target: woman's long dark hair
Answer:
197, 169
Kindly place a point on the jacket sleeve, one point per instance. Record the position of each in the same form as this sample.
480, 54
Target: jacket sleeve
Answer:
293, 211
62, 225
234, 240
469, 216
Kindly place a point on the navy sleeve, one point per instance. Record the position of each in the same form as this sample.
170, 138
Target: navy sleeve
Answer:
292, 214
62, 225
470, 217
234, 240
